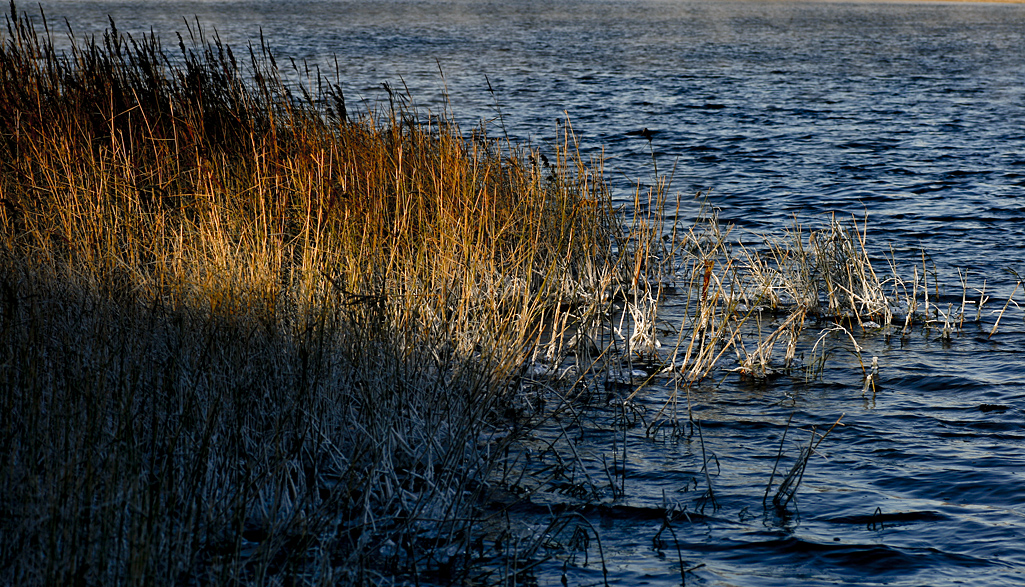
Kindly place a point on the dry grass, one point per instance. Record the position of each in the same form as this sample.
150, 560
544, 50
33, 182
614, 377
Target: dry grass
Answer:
248, 337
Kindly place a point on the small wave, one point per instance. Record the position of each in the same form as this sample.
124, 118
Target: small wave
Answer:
877, 560
934, 383
883, 519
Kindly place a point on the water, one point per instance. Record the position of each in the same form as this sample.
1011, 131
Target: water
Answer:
913, 114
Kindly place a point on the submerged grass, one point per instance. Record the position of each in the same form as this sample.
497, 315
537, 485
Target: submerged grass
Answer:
249, 337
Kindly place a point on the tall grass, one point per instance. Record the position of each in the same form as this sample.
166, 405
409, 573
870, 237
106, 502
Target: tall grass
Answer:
249, 336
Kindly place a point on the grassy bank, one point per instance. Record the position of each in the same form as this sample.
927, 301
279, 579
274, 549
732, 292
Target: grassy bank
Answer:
250, 336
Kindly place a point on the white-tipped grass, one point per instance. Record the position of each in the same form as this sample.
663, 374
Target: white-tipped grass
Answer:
249, 340
819, 350
1007, 304
829, 276
756, 305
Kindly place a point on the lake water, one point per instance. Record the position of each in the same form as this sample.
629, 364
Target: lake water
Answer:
913, 114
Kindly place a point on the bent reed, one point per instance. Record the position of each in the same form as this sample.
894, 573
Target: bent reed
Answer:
248, 337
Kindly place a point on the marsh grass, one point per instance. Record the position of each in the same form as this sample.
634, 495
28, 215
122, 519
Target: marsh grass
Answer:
248, 336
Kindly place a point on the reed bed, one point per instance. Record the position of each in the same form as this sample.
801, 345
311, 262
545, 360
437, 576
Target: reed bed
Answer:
251, 337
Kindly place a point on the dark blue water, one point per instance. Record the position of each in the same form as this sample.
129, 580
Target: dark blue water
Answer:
913, 114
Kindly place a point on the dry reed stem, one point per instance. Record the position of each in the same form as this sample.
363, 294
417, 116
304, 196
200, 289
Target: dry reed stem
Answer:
246, 330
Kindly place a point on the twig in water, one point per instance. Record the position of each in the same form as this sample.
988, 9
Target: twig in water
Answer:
779, 455
790, 484
1001, 315
982, 300
667, 524
870, 379
648, 134
788, 488
704, 467
597, 538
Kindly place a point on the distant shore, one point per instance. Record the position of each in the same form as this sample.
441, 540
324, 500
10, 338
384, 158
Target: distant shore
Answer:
929, 1
925, 1
908, 1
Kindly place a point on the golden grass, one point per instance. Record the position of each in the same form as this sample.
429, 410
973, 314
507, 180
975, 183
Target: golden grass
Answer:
249, 337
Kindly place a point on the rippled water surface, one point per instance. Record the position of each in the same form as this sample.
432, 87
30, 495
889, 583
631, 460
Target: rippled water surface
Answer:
913, 114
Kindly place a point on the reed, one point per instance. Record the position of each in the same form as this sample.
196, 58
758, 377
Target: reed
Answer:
826, 277
250, 336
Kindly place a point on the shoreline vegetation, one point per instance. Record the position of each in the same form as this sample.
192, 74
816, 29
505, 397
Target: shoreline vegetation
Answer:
250, 337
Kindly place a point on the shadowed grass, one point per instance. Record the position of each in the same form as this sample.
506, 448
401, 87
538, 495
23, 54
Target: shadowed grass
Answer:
248, 337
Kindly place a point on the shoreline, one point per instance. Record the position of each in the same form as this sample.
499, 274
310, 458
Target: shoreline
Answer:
922, 1
896, 1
